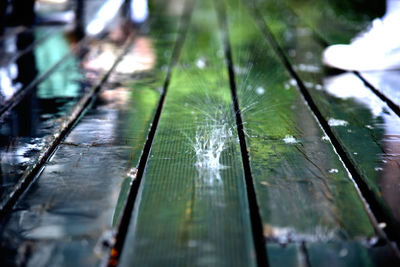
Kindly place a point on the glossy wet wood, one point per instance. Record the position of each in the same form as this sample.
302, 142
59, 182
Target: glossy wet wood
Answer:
304, 191
192, 206
191, 212
361, 121
68, 215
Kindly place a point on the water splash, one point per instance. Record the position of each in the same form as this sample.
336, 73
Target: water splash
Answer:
210, 140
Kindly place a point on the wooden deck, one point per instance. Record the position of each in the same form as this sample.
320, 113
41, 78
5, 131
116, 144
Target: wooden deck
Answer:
210, 135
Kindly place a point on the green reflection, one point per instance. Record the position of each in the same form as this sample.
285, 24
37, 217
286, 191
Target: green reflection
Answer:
303, 190
58, 84
191, 212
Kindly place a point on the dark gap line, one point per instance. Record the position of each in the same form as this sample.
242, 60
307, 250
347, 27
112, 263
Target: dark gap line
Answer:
304, 251
255, 217
390, 103
371, 203
21, 94
319, 38
31, 172
122, 231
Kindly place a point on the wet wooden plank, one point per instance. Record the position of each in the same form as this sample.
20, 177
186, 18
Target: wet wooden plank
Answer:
338, 24
359, 120
68, 215
350, 254
286, 255
304, 192
28, 126
192, 207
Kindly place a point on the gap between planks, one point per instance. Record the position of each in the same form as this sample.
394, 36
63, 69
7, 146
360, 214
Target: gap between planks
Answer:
370, 203
113, 258
31, 173
255, 217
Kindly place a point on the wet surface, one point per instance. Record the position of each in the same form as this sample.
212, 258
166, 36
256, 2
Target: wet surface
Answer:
364, 125
371, 131
193, 206
193, 189
305, 193
29, 125
68, 215
19, 65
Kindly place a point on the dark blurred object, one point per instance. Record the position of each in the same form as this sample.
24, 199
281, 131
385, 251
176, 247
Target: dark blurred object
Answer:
20, 12
354, 8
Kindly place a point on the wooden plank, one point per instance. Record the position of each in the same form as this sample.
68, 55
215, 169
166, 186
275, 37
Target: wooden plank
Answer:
304, 191
350, 254
286, 255
192, 207
27, 128
338, 24
68, 215
356, 118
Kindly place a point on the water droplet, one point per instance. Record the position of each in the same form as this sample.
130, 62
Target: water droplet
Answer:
201, 63
318, 87
343, 252
132, 173
289, 139
336, 122
260, 90
333, 171
264, 183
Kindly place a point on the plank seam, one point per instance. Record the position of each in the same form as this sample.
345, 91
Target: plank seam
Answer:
390, 103
255, 217
375, 90
116, 250
366, 195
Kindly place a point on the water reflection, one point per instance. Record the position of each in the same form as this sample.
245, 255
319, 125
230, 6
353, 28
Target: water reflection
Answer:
348, 86
137, 13
16, 74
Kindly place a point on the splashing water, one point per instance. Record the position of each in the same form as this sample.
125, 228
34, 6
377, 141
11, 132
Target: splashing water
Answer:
210, 140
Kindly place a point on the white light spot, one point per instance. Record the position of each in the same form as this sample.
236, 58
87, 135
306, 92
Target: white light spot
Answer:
260, 90
318, 87
201, 63
325, 138
289, 139
336, 122
333, 171
343, 253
